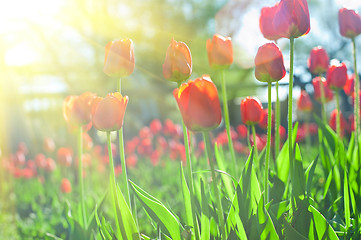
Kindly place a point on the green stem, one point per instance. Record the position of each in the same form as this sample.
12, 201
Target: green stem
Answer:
122, 157
215, 186
278, 122
290, 144
323, 101
357, 97
80, 175
255, 143
338, 116
226, 120
112, 179
190, 177
268, 150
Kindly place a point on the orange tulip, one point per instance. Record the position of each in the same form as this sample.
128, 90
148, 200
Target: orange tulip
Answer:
65, 186
220, 51
119, 58
199, 104
108, 112
177, 66
77, 109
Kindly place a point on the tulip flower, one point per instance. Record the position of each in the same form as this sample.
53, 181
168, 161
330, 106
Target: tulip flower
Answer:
333, 122
317, 81
50, 165
177, 66
64, 156
264, 120
65, 186
318, 60
155, 126
350, 22
337, 76
269, 63
108, 112
119, 58
292, 18
266, 23
199, 104
349, 87
304, 103
251, 110
220, 52
77, 109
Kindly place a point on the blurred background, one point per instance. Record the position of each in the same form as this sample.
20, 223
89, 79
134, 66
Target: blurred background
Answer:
51, 49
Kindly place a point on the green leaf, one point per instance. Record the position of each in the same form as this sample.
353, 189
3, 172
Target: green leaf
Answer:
309, 175
320, 227
187, 199
159, 212
299, 178
346, 201
291, 233
205, 217
226, 180
268, 230
283, 163
328, 133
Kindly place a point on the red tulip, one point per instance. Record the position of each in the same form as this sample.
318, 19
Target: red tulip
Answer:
65, 186
292, 18
351, 125
266, 23
199, 104
349, 87
155, 126
131, 161
50, 165
264, 120
317, 88
77, 109
251, 110
304, 103
119, 58
108, 112
269, 63
318, 60
336, 76
64, 156
282, 132
332, 122
349, 22
242, 131
40, 160
220, 52
177, 66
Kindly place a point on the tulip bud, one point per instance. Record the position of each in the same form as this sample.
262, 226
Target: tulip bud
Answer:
77, 109
199, 104
318, 60
304, 103
332, 122
108, 112
220, 52
292, 18
64, 156
336, 76
266, 23
316, 82
349, 22
349, 87
119, 58
269, 63
177, 66
251, 110
65, 186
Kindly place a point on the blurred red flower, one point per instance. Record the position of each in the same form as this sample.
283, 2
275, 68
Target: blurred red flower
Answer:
349, 22
251, 110
220, 52
318, 60
266, 23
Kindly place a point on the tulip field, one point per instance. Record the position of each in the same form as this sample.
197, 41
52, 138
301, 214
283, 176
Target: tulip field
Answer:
290, 169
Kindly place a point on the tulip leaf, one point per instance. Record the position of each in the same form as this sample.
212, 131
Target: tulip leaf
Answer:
226, 180
187, 200
309, 176
158, 212
320, 228
205, 216
283, 163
